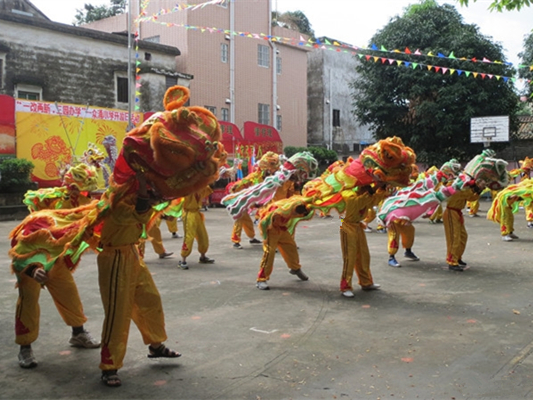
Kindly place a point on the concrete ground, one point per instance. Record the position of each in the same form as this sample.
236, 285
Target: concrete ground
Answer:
430, 333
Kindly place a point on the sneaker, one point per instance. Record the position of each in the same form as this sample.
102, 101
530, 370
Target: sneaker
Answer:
530, 224
85, 340
394, 263
26, 358
206, 260
165, 255
175, 235
455, 268
473, 215
374, 286
514, 236
462, 263
507, 238
412, 256
237, 246
368, 229
255, 241
183, 265
299, 273
348, 293
262, 285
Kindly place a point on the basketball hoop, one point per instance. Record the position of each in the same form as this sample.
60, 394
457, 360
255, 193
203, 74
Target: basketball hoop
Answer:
489, 132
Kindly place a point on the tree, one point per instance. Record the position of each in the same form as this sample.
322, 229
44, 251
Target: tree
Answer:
501, 5
295, 20
91, 13
526, 59
431, 111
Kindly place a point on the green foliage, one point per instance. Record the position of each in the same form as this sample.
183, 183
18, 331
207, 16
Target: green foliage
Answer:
16, 173
91, 13
500, 5
324, 156
295, 20
526, 59
431, 111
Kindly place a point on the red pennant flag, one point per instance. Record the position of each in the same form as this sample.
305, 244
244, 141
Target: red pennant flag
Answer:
437, 69
407, 51
474, 59
383, 60
483, 76
367, 57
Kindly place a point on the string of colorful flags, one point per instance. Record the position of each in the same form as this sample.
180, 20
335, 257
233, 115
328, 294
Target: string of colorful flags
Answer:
325, 45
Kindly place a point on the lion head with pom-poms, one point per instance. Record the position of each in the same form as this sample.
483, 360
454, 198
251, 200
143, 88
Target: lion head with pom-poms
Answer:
178, 150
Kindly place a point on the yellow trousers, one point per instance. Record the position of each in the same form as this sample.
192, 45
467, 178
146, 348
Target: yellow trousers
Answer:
172, 224
474, 207
194, 228
154, 233
529, 212
437, 214
355, 255
243, 222
456, 236
128, 292
400, 230
506, 220
284, 242
64, 293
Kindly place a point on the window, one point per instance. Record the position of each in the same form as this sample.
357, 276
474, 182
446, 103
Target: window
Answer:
263, 56
122, 89
212, 109
153, 39
224, 52
263, 114
278, 122
147, 56
278, 65
28, 92
336, 118
170, 81
224, 114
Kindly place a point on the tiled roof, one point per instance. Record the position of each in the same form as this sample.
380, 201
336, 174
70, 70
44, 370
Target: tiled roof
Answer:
525, 128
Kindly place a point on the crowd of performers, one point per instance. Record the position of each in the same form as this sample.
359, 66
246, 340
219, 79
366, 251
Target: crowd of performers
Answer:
164, 172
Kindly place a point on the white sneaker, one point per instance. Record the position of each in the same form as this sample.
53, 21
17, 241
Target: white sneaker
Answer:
26, 358
348, 293
507, 238
85, 340
368, 229
514, 236
262, 285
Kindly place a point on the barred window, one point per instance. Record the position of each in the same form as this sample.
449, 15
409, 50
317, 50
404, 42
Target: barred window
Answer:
263, 56
263, 116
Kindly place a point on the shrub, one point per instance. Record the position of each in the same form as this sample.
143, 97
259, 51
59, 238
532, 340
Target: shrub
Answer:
15, 174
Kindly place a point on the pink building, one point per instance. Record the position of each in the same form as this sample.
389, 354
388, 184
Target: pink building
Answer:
244, 69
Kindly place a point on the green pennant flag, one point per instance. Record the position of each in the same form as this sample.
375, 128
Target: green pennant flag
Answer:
327, 41
415, 65
383, 48
451, 55
360, 55
467, 73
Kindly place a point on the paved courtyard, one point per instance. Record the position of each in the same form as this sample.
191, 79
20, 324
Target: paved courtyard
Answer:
430, 333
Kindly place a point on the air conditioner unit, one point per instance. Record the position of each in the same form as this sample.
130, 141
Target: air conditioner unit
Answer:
228, 101
227, 37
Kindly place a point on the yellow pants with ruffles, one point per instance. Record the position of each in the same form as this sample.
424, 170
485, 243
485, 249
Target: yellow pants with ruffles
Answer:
128, 293
66, 298
400, 230
456, 236
243, 222
194, 228
283, 241
355, 256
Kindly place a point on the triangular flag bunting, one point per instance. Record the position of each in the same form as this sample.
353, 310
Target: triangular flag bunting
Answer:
399, 62
452, 71
486, 60
440, 55
437, 69
383, 59
451, 55
417, 52
475, 74
431, 54
467, 73
376, 58
383, 48
444, 70
391, 61
415, 65
429, 67
368, 57
374, 47
459, 72
407, 51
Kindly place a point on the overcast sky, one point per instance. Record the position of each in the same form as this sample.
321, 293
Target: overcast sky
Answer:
356, 21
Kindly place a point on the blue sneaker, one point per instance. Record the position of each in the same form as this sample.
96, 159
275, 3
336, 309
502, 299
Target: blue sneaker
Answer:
412, 256
393, 262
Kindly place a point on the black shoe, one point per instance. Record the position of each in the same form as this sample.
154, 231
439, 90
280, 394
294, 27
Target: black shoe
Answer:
462, 263
455, 268
255, 241
237, 246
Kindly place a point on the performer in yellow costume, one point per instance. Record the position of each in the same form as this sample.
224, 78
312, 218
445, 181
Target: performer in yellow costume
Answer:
154, 236
454, 226
355, 253
59, 280
194, 227
277, 235
405, 231
127, 288
268, 164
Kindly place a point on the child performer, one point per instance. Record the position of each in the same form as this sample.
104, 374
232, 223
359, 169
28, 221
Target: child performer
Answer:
194, 227
127, 288
274, 226
354, 246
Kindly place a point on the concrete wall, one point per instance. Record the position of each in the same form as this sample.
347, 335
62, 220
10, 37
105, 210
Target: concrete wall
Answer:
77, 65
330, 74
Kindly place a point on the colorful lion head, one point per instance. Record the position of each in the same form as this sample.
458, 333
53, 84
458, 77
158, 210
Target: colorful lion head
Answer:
488, 171
269, 162
81, 176
178, 150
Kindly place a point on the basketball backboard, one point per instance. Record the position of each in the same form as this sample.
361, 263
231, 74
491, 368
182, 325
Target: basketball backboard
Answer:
489, 129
